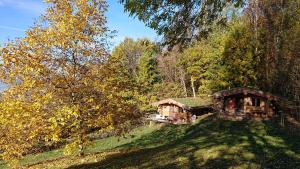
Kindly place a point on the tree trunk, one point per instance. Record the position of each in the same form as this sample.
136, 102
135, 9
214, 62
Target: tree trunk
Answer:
182, 79
256, 26
81, 134
81, 146
193, 87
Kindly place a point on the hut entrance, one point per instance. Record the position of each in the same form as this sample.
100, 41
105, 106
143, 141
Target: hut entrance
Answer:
245, 102
181, 110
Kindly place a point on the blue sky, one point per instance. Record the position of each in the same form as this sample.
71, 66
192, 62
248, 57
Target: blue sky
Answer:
18, 15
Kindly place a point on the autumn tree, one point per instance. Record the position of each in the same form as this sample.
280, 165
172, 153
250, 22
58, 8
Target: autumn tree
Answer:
275, 25
130, 51
138, 59
239, 57
202, 62
59, 84
171, 72
224, 60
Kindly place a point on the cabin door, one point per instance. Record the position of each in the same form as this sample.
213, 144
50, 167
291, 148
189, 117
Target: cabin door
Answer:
240, 104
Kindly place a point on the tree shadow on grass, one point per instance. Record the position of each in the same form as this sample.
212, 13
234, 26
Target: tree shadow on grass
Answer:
211, 143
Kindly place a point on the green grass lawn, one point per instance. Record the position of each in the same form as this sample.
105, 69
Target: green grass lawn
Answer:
94, 147
210, 143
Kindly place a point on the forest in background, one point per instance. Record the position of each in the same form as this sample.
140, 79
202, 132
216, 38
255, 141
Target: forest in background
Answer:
249, 43
64, 88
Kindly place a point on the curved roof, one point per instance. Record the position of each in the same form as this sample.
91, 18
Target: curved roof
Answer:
187, 103
245, 91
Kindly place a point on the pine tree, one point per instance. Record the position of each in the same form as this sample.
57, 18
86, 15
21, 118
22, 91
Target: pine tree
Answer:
148, 74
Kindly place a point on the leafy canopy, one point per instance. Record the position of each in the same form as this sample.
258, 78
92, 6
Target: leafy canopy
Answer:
60, 82
180, 21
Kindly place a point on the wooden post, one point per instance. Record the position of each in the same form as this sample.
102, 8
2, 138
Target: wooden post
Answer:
221, 106
281, 118
267, 105
298, 109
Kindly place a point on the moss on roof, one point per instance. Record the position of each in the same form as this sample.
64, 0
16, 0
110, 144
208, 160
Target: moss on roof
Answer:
194, 102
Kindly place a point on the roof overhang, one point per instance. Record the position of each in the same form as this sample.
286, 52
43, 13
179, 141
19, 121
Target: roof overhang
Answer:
171, 101
174, 101
245, 91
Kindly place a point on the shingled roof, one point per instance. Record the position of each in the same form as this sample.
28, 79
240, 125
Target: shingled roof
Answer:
187, 103
245, 91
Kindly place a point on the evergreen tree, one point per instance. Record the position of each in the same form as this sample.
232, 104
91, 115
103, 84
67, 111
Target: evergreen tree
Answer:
148, 74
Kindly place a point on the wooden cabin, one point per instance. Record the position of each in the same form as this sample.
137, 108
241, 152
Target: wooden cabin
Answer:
240, 103
183, 110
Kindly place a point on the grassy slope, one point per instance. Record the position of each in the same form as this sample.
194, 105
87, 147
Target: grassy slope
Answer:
95, 147
208, 144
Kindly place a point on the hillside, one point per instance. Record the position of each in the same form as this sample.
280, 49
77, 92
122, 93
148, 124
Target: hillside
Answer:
210, 143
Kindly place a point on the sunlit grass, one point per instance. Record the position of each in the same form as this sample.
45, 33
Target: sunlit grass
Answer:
210, 143
94, 147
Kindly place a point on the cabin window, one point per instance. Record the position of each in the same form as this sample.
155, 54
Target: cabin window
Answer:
256, 102
180, 110
171, 110
231, 103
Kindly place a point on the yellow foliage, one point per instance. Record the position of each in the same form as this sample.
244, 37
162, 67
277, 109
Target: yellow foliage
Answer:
61, 85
